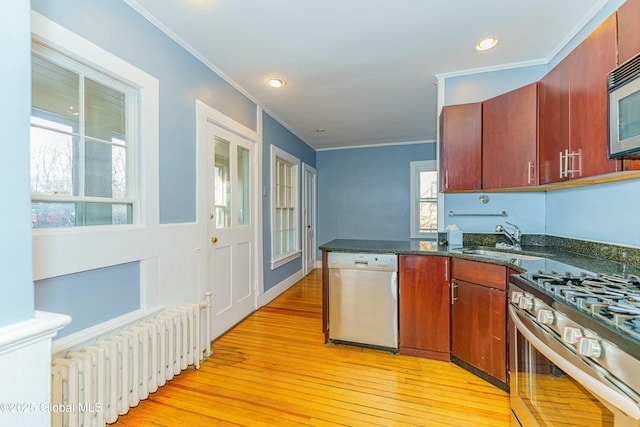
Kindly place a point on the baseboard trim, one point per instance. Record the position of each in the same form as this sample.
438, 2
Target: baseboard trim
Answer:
278, 289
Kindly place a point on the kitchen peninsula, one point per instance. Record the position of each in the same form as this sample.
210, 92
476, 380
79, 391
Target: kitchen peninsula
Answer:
453, 300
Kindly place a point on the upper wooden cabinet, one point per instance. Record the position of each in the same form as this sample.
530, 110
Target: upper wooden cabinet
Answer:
509, 139
628, 34
591, 61
553, 123
461, 147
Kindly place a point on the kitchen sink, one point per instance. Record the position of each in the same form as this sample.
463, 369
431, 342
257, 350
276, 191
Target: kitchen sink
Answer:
505, 255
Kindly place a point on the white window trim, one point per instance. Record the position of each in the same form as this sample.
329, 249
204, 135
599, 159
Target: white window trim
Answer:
59, 251
415, 167
297, 252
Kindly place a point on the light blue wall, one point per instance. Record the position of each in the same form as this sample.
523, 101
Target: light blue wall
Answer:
273, 133
604, 213
182, 79
91, 297
363, 193
16, 279
482, 86
526, 210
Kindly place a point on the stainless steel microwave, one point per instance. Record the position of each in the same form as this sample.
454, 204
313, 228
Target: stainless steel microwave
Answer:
624, 110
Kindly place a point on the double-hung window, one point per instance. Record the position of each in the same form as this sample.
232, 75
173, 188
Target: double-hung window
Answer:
285, 207
82, 144
424, 199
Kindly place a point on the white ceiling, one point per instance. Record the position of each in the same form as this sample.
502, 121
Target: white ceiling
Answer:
362, 70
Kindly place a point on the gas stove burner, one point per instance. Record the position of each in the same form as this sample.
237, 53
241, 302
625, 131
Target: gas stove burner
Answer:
627, 308
609, 298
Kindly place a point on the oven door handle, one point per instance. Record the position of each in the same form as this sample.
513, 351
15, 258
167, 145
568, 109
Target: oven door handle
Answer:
609, 395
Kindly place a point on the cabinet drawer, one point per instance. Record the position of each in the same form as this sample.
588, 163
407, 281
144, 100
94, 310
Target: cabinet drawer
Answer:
491, 275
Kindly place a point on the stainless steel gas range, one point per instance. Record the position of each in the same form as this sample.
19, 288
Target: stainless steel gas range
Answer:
574, 349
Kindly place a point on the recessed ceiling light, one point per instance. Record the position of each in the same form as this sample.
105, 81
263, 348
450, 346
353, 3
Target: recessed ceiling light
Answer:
487, 43
275, 82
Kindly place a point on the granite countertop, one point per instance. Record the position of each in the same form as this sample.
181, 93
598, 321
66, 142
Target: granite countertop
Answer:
549, 257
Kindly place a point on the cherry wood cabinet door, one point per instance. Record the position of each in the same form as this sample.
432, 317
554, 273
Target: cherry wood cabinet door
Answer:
424, 306
510, 138
478, 327
591, 61
628, 34
461, 147
553, 122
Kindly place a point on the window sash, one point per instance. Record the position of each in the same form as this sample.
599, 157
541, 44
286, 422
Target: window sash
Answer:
285, 236
424, 201
112, 180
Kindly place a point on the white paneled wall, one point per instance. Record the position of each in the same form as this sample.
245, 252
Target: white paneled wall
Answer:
169, 256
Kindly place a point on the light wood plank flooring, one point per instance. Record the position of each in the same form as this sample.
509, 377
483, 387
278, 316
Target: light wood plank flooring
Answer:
273, 369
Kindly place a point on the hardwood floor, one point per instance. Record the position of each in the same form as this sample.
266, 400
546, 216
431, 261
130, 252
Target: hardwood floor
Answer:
273, 369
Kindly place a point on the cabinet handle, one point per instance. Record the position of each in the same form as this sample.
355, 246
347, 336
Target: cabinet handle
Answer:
564, 159
531, 176
446, 179
453, 292
574, 169
446, 270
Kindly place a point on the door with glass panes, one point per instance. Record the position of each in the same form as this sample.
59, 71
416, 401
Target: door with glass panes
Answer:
231, 228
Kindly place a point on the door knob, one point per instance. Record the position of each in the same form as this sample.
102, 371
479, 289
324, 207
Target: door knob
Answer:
214, 239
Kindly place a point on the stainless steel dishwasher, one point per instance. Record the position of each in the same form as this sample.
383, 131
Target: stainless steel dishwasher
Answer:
363, 299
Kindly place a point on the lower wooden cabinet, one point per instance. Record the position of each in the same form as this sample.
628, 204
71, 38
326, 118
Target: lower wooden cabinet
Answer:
479, 319
424, 306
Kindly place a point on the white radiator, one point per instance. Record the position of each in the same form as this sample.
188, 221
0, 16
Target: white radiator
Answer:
104, 378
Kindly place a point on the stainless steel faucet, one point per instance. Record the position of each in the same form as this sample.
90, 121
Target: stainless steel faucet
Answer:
515, 237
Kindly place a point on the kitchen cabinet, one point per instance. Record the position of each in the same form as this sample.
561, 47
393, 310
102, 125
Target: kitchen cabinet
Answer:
424, 306
479, 318
553, 123
509, 139
573, 115
628, 34
590, 63
461, 147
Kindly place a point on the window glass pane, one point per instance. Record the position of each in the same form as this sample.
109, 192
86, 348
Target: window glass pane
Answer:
427, 201
98, 169
105, 111
122, 214
428, 216
222, 196
52, 161
53, 214
69, 214
278, 248
54, 93
428, 185
291, 230
118, 172
244, 187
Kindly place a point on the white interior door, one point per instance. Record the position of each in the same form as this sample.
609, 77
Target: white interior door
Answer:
231, 228
309, 218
